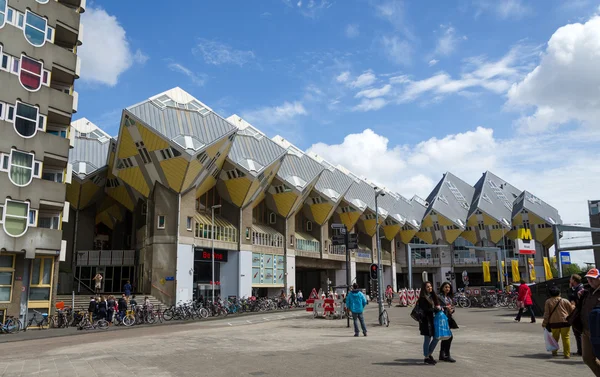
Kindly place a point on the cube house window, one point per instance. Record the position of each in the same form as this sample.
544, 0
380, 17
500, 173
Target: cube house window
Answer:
26, 120
30, 73
35, 29
21, 168
16, 216
189, 223
161, 222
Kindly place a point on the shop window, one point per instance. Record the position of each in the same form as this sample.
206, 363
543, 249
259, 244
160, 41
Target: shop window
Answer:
15, 217
160, 222
30, 73
35, 29
41, 279
7, 270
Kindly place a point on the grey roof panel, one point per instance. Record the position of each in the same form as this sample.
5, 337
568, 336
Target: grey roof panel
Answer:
333, 179
172, 122
537, 206
259, 149
452, 199
300, 166
418, 210
362, 191
91, 151
495, 197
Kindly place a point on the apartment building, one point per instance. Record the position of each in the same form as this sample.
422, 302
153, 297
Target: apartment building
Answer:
38, 69
180, 181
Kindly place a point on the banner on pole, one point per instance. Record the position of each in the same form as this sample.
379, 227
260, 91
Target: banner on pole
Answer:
486, 272
547, 269
531, 264
516, 276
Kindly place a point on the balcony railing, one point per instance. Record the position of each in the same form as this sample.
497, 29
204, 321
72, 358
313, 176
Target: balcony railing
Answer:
308, 245
426, 262
267, 239
337, 249
222, 233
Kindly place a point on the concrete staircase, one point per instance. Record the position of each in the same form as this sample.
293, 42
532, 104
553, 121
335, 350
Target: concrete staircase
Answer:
82, 301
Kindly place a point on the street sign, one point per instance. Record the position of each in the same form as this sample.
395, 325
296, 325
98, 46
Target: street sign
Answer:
374, 272
338, 226
565, 257
352, 241
338, 240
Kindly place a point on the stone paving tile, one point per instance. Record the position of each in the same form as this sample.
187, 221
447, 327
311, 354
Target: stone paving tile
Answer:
488, 344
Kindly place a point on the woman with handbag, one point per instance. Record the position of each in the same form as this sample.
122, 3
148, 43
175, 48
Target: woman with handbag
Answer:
556, 311
525, 301
446, 302
429, 304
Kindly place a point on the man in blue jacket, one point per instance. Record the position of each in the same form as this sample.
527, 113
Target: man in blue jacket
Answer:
355, 302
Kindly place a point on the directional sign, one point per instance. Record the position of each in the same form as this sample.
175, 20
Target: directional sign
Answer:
352, 241
565, 257
338, 240
338, 226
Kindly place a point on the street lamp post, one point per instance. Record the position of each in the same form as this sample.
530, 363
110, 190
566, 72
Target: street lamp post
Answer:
380, 275
212, 254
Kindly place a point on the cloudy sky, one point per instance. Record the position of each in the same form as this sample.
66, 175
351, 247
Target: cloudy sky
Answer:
396, 91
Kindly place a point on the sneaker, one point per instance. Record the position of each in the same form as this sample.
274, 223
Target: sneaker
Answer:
429, 361
432, 360
356, 334
365, 334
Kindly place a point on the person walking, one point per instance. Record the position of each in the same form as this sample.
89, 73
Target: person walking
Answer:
429, 304
98, 282
447, 304
526, 303
102, 308
573, 296
589, 298
556, 311
122, 307
127, 289
356, 302
111, 305
92, 308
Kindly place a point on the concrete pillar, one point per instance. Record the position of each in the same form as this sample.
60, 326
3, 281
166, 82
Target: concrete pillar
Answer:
245, 273
394, 282
184, 275
290, 271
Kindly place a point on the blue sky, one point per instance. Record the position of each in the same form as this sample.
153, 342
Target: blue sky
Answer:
397, 91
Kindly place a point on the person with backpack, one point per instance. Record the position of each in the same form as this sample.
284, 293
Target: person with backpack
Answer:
356, 302
556, 311
526, 303
589, 299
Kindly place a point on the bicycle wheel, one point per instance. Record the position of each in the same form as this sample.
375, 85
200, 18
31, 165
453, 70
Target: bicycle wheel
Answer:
53, 324
203, 313
151, 318
385, 320
102, 324
129, 320
10, 326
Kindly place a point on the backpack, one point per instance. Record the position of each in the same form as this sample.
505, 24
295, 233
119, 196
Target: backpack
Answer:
594, 323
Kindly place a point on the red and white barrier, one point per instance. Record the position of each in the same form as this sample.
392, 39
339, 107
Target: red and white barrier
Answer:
403, 298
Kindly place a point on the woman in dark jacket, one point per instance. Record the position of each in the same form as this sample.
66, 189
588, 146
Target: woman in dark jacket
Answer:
111, 304
102, 308
429, 304
448, 308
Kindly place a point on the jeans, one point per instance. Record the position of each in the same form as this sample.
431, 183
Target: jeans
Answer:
521, 310
360, 317
429, 344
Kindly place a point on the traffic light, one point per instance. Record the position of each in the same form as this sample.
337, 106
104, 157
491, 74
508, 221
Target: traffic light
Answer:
374, 271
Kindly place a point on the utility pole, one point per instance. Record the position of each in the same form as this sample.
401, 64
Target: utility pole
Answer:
380, 270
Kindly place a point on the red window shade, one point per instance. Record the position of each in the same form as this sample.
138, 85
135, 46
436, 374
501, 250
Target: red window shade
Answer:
30, 81
31, 65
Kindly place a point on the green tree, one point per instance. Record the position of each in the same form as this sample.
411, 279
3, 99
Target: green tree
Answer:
568, 270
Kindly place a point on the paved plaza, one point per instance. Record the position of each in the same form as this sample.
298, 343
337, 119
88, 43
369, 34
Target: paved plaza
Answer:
291, 344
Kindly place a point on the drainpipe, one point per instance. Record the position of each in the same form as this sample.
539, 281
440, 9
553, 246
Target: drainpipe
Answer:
74, 253
240, 255
177, 240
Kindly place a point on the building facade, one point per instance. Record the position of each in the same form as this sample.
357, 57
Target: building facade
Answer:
38, 69
179, 180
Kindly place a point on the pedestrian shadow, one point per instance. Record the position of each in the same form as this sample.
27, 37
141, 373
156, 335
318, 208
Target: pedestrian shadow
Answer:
401, 362
539, 356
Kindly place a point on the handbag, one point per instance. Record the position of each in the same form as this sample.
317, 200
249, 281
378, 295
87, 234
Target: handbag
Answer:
417, 313
549, 325
452, 323
551, 343
441, 326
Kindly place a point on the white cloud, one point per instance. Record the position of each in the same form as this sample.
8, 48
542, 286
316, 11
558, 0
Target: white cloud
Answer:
312, 9
343, 77
197, 79
366, 79
494, 76
433, 62
374, 93
368, 104
275, 115
505, 9
558, 168
448, 41
397, 50
106, 53
352, 31
565, 86
217, 53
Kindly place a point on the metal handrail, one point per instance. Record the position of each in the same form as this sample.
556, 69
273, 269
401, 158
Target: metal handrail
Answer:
84, 285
